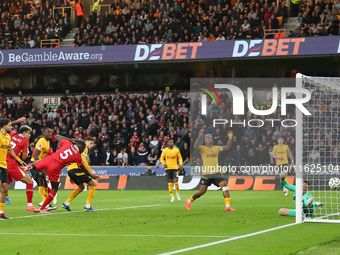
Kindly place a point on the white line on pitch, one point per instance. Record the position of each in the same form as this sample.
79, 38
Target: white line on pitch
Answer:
112, 235
104, 209
227, 240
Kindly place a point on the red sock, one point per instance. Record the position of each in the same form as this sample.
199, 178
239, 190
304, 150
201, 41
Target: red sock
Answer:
48, 200
29, 192
49, 190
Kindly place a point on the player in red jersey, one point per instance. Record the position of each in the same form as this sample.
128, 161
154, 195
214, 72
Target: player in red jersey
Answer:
19, 144
18, 121
67, 154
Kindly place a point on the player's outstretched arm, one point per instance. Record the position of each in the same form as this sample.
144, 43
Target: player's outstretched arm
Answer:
60, 137
284, 183
18, 121
197, 144
94, 176
12, 153
230, 142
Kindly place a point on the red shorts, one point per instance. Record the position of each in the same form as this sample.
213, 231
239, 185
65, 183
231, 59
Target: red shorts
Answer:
53, 168
15, 172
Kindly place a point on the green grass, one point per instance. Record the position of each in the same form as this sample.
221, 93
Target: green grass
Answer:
331, 248
161, 228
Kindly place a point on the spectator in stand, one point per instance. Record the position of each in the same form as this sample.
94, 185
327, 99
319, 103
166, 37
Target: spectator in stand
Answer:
186, 151
250, 133
134, 139
123, 158
180, 144
252, 158
220, 37
95, 157
263, 156
133, 157
186, 162
238, 157
142, 155
119, 142
107, 157
79, 12
154, 145
152, 158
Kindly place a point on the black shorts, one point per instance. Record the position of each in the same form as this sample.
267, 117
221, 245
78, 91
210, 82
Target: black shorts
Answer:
36, 174
78, 176
284, 165
3, 175
209, 179
171, 174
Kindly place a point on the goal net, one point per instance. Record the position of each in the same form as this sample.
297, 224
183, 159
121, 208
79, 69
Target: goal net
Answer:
318, 150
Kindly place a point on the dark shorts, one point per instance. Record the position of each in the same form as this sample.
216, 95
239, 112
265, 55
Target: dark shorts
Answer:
36, 174
209, 179
284, 165
171, 174
78, 176
3, 175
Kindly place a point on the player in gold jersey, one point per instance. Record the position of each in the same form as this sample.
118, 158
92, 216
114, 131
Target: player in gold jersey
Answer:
172, 160
41, 149
5, 146
210, 172
79, 178
280, 153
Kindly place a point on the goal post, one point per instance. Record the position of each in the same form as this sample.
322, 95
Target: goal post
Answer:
298, 161
318, 150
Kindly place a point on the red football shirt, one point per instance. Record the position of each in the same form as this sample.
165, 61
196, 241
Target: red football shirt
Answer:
19, 145
67, 154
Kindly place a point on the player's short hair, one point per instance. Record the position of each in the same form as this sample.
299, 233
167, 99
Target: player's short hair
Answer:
4, 122
24, 128
207, 136
305, 181
80, 144
89, 139
46, 129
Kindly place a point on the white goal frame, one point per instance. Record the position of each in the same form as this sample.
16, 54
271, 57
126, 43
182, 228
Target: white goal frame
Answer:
299, 164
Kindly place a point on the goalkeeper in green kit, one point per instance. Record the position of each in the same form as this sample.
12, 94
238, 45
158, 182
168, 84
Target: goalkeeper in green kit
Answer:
307, 199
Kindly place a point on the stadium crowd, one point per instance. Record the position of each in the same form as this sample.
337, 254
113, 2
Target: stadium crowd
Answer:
128, 130
132, 130
319, 18
143, 22
25, 23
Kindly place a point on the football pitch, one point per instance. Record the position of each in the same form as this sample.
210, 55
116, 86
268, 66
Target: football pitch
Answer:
145, 222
